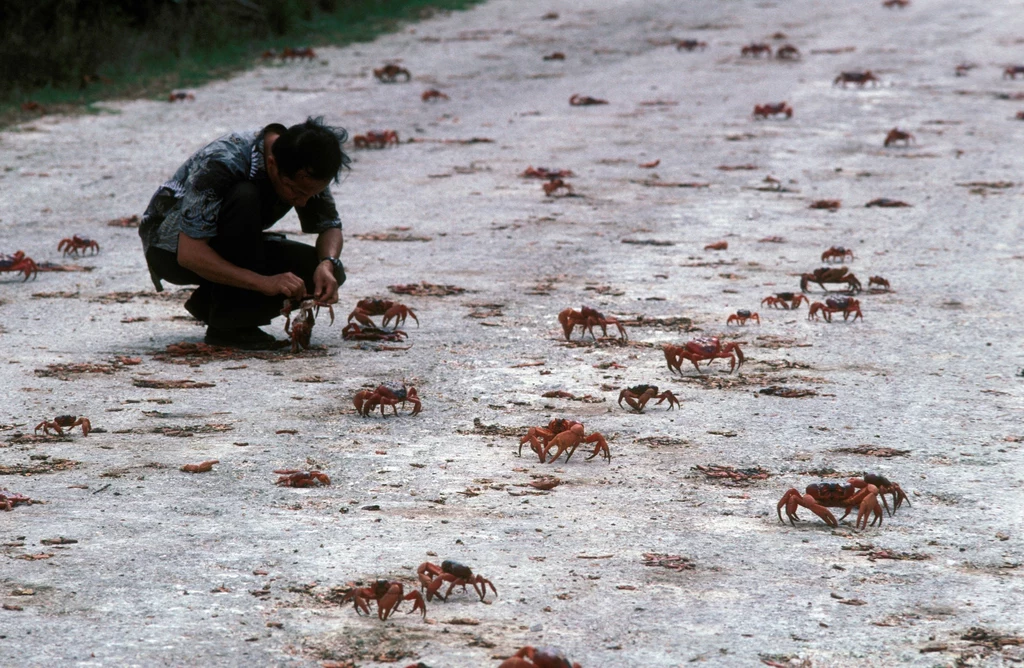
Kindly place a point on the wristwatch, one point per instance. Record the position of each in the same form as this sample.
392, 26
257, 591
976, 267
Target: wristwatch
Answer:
339, 269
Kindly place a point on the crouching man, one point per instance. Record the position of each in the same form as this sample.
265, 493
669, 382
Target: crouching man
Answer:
206, 227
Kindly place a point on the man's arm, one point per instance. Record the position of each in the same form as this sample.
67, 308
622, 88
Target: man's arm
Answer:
196, 255
328, 244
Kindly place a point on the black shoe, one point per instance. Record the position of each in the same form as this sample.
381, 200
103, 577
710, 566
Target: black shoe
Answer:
243, 338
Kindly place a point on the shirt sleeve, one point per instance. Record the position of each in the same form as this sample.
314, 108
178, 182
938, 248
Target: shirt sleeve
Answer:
203, 193
319, 214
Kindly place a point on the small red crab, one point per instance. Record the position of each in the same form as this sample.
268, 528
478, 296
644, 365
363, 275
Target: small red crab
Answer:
690, 45
532, 172
301, 328
353, 332
766, 110
578, 100
788, 52
702, 349
554, 185
1012, 71
299, 478
896, 135
181, 96
886, 203
545, 657
19, 263
385, 307
786, 300
68, 422
740, 317
900, 4
388, 595
638, 396
75, 243
827, 204
586, 318
557, 55
859, 493
859, 78
880, 282
372, 139
390, 73
837, 252
569, 440
824, 275
433, 576
539, 437
300, 53
10, 499
366, 400
755, 50
433, 94
844, 305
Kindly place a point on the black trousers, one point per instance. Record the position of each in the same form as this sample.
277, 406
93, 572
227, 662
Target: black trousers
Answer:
240, 240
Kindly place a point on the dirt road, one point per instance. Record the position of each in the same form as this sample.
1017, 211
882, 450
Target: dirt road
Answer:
161, 567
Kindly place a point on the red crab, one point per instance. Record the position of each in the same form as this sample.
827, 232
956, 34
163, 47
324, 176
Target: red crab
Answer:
896, 3
766, 110
860, 493
68, 422
690, 45
301, 328
388, 595
578, 100
390, 73
788, 52
532, 172
569, 440
824, 275
740, 317
353, 332
554, 185
837, 252
638, 396
19, 263
859, 78
702, 349
786, 300
302, 53
539, 437
180, 96
586, 318
433, 576
299, 478
385, 307
896, 135
10, 499
381, 139
545, 657
886, 203
1012, 71
880, 282
366, 400
844, 305
433, 94
755, 50
557, 55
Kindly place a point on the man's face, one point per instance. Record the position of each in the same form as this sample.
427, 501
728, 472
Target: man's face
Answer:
296, 190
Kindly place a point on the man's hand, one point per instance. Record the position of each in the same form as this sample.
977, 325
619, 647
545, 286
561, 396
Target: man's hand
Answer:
326, 287
287, 284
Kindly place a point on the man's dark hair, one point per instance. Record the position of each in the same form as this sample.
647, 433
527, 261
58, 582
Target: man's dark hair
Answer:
312, 147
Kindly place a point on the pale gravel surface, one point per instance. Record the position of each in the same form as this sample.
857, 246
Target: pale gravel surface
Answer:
931, 369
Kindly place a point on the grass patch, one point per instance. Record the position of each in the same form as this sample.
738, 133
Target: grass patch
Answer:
150, 62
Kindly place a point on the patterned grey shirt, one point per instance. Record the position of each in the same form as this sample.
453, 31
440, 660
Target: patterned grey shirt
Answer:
190, 202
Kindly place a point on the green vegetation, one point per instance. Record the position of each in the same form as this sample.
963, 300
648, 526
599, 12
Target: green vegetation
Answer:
64, 55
